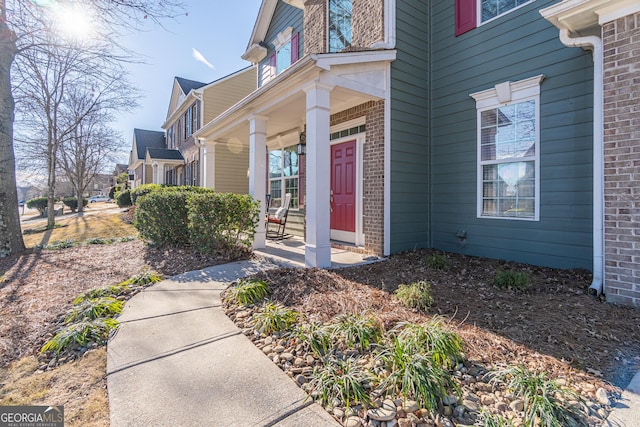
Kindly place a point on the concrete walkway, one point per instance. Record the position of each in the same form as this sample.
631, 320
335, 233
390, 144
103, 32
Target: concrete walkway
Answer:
177, 360
626, 413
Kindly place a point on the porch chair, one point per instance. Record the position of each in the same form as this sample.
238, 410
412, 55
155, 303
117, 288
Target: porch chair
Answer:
277, 222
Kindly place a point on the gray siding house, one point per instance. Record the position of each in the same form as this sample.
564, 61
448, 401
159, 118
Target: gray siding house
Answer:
481, 128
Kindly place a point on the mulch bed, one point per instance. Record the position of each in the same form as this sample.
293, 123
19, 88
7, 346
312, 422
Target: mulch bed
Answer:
554, 326
37, 287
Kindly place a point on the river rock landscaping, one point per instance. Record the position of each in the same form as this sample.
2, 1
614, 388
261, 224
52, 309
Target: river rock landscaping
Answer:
517, 343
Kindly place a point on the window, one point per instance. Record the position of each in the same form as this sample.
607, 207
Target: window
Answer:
283, 174
508, 154
340, 29
286, 51
467, 19
492, 8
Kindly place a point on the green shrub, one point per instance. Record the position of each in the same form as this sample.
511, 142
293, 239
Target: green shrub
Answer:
414, 375
438, 261
416, 295
39, 203
81, 334
248, 291
142, 191
353, 330
162, 215
274, 318
341, 382
545, 401
58, 245
123, 198
222, 223
443, 346
487, 419
107, 291
143, 279
94, 308
512, 279
317, 336
72, 202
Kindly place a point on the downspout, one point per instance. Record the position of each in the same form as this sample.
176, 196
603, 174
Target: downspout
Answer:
594, 43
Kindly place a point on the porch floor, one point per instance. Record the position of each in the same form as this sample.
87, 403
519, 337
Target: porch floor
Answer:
290, 253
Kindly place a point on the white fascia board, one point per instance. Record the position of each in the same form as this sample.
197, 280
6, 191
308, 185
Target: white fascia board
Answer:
580, 16
182, 107
260, 28
255, 53
616, 10
295, 3
327, 60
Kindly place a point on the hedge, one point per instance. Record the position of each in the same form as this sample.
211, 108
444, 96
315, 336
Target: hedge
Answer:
123, 198
222, 223
143, 190
72, 202
161, 215
39, 203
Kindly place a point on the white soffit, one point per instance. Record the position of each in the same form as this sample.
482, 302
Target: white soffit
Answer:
584, 17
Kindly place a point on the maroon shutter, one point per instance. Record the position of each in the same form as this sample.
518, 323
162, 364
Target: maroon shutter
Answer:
294, 48
272, 60
465, 16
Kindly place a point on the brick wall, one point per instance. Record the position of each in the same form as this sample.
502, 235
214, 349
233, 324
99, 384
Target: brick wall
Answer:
621, 39
315, 26
368, 25
373, 174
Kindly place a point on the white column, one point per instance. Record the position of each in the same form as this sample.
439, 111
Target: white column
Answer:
317, 250
258, 172
154, 178
160, 173
208, 164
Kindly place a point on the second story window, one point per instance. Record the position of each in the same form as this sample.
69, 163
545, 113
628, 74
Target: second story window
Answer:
492, 8
286, 51
340, 28
190, 121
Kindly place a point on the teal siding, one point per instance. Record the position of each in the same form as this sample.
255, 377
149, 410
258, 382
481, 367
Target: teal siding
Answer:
283, 17
513, 47
409, 128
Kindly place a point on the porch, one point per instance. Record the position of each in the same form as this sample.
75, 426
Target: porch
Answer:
339, 182
290, 252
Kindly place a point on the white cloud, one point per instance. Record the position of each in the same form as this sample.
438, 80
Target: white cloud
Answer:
200, 58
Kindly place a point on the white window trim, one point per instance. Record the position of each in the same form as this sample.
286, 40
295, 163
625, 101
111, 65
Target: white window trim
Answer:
500, 95
283, 178
279, 42
479, 20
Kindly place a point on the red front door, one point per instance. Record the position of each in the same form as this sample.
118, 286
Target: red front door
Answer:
343, 186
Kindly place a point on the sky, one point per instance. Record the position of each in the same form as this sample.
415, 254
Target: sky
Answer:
204, 45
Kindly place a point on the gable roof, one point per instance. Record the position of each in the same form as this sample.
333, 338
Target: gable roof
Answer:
188, 85
164, 154
144, 139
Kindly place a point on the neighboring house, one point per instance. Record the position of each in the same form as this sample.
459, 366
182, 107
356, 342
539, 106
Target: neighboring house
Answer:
219, 164
463, 126
149, 157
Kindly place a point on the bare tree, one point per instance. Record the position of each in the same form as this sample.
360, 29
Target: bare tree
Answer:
14, 28
91, 146
57, 89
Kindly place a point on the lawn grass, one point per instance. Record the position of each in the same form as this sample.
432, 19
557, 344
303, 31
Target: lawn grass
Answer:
71, 384
81, 228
